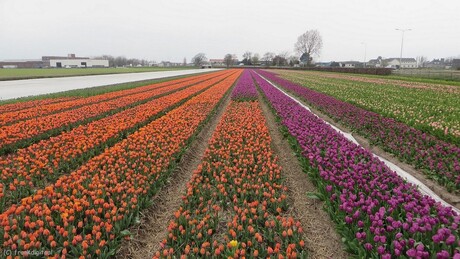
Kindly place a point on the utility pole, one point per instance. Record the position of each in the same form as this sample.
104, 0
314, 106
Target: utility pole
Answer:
402, 42
365, 52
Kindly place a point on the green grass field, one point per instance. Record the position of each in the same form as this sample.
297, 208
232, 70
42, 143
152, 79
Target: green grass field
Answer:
29, 73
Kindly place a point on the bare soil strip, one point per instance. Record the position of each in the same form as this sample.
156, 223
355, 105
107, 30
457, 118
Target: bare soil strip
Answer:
154, 221
441, 191
321, 238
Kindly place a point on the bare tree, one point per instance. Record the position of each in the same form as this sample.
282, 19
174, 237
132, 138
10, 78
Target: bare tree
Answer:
309, 44
199, 59
283, 60
120, 61
228, 60
421, 61
268, 58
184, 62
255, 59
247, 58
279, 61
293, 60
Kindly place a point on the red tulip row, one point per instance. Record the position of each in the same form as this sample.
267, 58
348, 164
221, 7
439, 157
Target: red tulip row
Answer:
43, 162
86, 212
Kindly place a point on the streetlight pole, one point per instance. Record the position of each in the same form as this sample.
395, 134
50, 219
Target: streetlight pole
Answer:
402, 43
365, 52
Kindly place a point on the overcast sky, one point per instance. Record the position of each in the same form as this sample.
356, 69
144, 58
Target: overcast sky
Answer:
173, 29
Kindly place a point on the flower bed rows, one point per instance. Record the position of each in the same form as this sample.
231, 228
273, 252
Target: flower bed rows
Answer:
85, 213
433, 109
43, 162
377, 213
11, 107
245, 89
24, 131
438, 159
41, 109
235, 200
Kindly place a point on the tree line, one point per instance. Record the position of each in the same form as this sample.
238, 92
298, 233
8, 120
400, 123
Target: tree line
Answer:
121, 61
308, 45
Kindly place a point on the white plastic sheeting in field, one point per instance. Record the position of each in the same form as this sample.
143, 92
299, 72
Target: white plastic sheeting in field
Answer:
29, 87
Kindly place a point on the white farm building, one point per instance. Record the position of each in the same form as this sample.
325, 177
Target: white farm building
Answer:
72, 61
79, 63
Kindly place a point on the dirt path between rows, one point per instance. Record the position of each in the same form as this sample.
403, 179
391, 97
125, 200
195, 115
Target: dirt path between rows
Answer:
321, 238
441, 191
154, 221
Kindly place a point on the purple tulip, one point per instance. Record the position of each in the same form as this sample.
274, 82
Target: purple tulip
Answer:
366, 192
408, 144
368, 246
450, 240
245, 88
443, 255
411, 252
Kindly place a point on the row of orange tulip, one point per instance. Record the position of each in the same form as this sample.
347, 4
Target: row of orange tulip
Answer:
25, 130
43, 162
86, 212
41, 109
235, 205
11, 107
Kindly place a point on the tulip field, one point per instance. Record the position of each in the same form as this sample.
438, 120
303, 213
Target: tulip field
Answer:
432, 108
378, 214
239, 182
78, 173
386, 118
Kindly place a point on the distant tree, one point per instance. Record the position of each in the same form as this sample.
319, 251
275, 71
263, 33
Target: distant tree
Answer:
144, 62
228, 60
235, 59
120, 61
184, 62
199, 59
309, 43
268, 58
421, 61
255, 59
281, 59
284, 54
247, 58
293, 60
133, 62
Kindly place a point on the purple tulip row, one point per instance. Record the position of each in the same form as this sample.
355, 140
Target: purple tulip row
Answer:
438, 159
245, 89
376, 211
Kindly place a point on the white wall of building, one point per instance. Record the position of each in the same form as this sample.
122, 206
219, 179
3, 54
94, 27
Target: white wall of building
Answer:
405, 64
79, 63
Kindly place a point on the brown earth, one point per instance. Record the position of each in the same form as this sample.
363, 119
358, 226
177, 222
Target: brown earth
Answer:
321, 238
